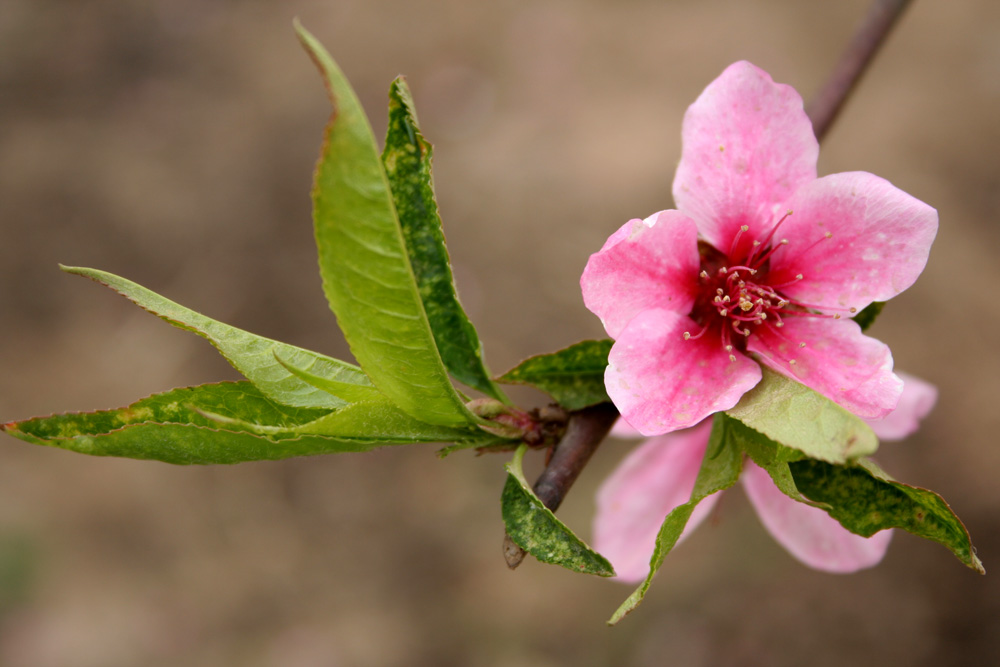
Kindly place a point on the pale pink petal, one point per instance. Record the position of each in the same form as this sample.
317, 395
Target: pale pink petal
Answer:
651, 263
809, 533
834, 358
855, 238
622, 429
915, 403
653, 479
661, 382
748, 146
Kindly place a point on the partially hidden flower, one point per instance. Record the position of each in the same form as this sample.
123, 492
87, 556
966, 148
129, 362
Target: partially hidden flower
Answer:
659, 475
761, 262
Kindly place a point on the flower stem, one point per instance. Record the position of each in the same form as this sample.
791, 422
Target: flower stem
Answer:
868, 38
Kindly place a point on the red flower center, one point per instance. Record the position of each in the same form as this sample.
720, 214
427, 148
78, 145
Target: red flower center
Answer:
737, 293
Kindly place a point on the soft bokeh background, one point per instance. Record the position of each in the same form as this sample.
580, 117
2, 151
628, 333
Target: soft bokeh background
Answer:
172, 142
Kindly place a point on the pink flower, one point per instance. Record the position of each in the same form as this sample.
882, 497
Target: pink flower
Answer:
659, 475
762, 262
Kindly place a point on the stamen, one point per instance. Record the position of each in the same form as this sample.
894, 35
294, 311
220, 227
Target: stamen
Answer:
736, 239
826, 237
689, 336
770, 236
797, 278
767, 255
704, 274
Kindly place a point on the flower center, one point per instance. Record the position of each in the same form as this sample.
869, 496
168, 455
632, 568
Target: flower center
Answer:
738, 294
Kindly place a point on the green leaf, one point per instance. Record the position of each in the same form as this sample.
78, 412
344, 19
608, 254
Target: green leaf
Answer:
573, 376
231, 422
865, 500
534, 527
767, 454
366, 273
868, 314
251, 355
345, 391
407, 160
795, 416
720, 469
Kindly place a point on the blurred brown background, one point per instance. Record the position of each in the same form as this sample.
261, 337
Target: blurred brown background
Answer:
172, 142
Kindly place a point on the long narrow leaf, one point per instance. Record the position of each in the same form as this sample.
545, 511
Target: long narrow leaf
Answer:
230, 422
363, 262
407, 160
251, 355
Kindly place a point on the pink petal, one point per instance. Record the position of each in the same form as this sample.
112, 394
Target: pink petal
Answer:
651, 263
837, 360
653, 479
808, 533
622, 429
915, 403
661, 382
879, 239
748, 146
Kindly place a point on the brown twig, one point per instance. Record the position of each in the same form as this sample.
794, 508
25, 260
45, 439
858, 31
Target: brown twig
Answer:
869, 36
587, 428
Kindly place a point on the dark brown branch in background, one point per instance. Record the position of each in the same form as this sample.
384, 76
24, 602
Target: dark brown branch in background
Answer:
587, 428
870, 35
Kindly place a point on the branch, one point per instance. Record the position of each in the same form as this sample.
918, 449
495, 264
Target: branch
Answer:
586, 430
869, 36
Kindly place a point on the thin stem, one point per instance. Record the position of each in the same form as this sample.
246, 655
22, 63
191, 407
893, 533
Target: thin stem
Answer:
869, 36
586, 430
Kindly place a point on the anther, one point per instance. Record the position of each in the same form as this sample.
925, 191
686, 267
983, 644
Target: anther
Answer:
703, 274
802, 344
724, 312
687, 335
791, 362
854, 310
732, 358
